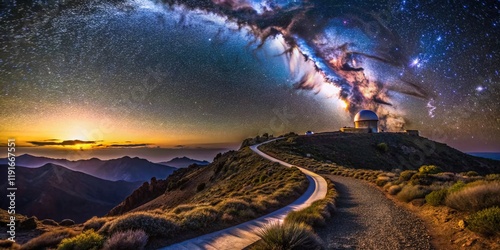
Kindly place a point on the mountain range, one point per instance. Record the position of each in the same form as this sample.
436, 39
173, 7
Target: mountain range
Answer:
55, 192
183, 162
125, 168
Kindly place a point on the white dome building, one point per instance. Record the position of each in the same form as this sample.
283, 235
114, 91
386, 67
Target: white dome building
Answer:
366, 119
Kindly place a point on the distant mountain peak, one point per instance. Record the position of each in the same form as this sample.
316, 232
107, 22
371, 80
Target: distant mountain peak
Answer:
183, 162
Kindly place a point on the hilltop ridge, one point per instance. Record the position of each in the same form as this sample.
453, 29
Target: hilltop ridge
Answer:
383, 151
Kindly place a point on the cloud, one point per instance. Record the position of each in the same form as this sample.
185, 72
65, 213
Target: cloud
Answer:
132, 145
53, 142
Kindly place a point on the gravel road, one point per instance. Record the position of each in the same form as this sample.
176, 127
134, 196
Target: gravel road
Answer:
366, 219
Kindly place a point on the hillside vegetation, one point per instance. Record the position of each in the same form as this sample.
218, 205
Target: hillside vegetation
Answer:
452, 192
381, 151
238, 186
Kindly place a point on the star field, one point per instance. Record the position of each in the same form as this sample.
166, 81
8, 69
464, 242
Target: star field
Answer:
142, 72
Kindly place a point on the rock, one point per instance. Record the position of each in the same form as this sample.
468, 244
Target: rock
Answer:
462, 224
28, 224
66, 223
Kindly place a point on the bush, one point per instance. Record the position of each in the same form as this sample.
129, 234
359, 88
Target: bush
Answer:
381, 182
94, 223
394, 189
49, 239
131, 239
88, 240
486, 221
409, 193
406, 175
456, 187
429, 169
153, 224
199, 218
475, 198
291, 236
436, 197
421, 179
382, 147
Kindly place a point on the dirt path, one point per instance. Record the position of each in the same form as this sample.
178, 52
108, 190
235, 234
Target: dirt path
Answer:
366, 219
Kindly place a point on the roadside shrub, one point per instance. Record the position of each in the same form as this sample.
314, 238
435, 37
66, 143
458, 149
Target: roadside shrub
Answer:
199, 217
429, 169
382, 147
309, 216
409, 193
406, 175
153, 224
394, 189
49, 239
382, 180
486, 222
475, 198
94, 223
457, 186
421, 179
436, 197
293, 236
88, 240
130, 239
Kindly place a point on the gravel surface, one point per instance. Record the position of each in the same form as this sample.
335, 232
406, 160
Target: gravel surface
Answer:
366, 219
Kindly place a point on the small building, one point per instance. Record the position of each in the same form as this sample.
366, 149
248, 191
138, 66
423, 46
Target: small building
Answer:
365, 121
412, 132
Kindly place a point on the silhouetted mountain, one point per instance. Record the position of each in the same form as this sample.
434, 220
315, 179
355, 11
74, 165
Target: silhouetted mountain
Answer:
183, 162
125, 168
55, 192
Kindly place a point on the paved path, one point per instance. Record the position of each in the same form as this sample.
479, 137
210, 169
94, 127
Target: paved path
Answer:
243, 235
366, 219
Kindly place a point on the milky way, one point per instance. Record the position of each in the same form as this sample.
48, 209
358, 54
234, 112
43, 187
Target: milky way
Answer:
413, 62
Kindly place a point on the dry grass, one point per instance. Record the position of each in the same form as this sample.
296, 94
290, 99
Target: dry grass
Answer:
153, 224
96, 223
199, 218
318, 212
288, 236
409, 193
127, 240
475, 198
49, 240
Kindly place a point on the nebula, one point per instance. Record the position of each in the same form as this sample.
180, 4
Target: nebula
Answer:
325, 43
349, 48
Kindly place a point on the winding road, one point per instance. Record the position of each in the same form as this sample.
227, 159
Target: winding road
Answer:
245, 234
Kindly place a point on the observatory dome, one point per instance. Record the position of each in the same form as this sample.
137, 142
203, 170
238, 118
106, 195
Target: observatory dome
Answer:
365, 115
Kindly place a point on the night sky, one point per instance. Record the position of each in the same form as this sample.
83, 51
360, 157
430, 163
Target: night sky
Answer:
203, 74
